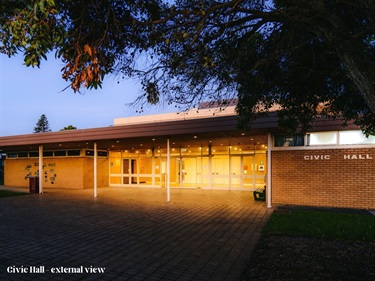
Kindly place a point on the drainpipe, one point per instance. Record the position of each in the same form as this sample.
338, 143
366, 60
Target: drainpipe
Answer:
41, 176
269, 169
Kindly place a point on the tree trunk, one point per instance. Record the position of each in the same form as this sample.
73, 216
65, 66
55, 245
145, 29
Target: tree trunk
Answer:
360, 79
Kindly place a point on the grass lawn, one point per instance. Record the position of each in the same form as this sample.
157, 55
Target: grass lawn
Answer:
323, 224
7, 193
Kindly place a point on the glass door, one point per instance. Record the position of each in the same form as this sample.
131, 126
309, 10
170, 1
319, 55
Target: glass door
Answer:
248, 172
115, 168
220, 172
188, 172
235, 173
129, 171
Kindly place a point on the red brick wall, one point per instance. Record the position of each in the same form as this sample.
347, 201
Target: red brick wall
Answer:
330, 180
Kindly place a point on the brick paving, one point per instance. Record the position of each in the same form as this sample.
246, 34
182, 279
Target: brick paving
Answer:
133, 233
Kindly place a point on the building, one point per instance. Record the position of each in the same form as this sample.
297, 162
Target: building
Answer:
329, 166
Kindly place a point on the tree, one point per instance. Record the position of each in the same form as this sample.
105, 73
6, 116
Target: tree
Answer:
68, 128
42, 125
311, 58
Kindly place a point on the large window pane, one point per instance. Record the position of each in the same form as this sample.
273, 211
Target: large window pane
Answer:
323, 138
284, 140
355, 137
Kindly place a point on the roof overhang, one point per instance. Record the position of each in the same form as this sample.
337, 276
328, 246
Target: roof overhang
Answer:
222, 130
197, 132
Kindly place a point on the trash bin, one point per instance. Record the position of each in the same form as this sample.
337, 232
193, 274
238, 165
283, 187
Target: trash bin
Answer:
34, 184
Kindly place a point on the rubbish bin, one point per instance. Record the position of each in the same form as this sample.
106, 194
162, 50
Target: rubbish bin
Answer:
34, 184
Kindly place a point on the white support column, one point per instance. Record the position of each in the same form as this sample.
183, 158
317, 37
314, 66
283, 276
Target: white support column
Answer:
41, 175
95, 169
168, 172
269, 175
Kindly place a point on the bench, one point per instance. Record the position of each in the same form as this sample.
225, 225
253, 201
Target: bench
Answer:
260, 194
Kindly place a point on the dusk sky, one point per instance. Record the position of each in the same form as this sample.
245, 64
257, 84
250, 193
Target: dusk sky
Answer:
26, 93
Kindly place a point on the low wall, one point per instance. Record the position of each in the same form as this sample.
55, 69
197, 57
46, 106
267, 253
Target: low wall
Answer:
329, 177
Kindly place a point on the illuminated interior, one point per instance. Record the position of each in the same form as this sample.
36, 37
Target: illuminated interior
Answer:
223, 167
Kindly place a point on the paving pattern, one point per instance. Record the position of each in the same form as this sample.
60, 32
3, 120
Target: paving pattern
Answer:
130, 234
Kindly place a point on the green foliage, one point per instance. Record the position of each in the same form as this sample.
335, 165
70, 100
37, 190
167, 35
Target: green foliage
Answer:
323, 224
68, 128
30, 27
312, 59
42, 125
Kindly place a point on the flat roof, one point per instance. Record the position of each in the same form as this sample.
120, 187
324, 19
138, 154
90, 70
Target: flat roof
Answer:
219, 130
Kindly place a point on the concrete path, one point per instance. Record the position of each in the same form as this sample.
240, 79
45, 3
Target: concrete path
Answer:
130, 234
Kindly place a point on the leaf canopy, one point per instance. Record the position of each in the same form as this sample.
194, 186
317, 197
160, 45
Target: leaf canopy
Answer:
308, 58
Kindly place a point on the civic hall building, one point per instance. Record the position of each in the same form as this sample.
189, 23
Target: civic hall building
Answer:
329, 166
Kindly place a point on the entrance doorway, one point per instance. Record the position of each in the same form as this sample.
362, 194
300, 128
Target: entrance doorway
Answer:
129, 171
187, 172
220, 171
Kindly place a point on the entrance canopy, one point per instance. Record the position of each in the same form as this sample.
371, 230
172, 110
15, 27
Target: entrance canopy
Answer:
213, 131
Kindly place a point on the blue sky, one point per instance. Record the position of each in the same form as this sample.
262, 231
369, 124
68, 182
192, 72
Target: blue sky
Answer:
26, 93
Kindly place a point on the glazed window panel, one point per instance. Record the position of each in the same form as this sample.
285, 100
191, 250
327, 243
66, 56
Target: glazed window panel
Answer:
222, 149
34, 154
355, 137
12, 155
145, 165
289, 140
75, 152
60, 153
102, 153
47, 153
322, 138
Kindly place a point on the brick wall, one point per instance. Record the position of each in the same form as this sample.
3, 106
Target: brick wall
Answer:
332, 177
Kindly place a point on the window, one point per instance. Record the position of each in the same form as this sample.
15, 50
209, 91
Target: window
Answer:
322, 138
102, 153
34, 154
285, 140
355, 137
60, 153
12, 155
22, 154
47, 153
75, 152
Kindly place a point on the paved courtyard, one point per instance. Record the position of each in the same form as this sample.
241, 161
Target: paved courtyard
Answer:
129, 234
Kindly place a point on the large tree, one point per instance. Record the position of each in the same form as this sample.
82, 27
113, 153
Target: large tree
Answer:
310, 58
42, 125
